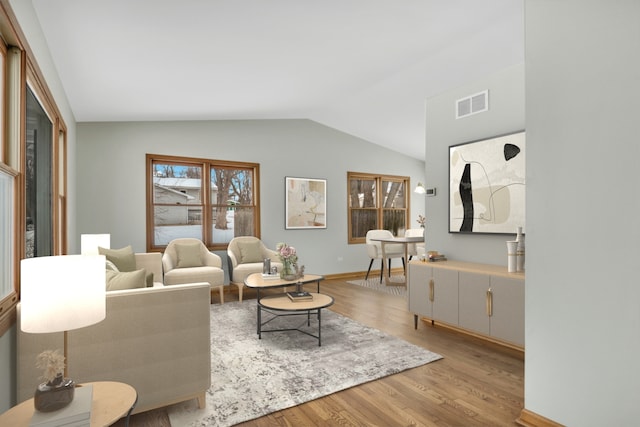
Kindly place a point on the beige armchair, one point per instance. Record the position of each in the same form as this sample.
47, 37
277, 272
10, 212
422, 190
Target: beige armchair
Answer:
246, 255
374, 250
188, 260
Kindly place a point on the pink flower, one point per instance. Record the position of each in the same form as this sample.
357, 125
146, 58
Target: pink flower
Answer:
287, 253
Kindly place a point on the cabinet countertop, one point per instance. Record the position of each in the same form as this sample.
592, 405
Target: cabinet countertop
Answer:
472, 267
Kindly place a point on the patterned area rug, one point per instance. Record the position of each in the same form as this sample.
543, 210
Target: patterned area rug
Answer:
251, 377
374, 283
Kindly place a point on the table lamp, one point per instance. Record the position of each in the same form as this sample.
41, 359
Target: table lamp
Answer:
89, 243
59, 294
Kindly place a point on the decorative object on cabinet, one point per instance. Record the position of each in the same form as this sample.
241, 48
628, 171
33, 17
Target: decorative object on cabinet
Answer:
512, 248
305, 203
520, 250
487, 185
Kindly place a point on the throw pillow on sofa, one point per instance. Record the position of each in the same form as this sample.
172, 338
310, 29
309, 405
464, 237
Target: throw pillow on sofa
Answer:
126, 279
124, 259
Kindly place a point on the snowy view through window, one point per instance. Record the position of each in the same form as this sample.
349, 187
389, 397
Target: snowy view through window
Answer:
179, 205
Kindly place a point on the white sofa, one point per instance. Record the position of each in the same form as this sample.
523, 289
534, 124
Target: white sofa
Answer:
156, 339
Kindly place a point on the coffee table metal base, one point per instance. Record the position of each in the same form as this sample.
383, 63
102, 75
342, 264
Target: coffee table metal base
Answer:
282, 306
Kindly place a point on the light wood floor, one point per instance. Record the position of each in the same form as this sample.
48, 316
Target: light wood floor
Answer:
476, 384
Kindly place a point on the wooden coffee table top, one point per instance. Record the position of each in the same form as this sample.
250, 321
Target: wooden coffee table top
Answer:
283, 302
255, 280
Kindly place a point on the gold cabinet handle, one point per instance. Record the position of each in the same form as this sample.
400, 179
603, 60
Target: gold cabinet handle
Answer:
431, 290
489, 302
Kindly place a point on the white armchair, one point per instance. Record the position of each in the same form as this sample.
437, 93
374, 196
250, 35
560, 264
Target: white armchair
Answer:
188, 260
415, 249
246, 255
374, 250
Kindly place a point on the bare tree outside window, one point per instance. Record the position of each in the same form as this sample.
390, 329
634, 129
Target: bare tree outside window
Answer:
183, 204
234, 213
376, 201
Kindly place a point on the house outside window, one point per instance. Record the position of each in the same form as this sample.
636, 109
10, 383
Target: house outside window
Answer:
183, 204
377, 202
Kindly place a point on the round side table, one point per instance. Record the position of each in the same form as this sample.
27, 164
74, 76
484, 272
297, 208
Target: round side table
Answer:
111, 401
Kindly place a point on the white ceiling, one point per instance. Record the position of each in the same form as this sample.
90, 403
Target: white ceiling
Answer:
364, 67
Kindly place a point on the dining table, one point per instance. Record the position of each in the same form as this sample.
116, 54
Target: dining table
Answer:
406, 241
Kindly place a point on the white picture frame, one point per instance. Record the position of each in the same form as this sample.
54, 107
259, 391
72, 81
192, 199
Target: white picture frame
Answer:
305, 203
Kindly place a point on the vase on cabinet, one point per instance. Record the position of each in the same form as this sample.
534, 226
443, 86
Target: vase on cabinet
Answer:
520, 250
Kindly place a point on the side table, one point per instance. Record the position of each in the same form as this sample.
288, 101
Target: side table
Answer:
111, 401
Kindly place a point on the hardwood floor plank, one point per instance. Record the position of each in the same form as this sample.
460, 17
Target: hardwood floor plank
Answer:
476, 384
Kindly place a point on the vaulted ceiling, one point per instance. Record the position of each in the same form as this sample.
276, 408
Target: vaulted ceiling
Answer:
364, 67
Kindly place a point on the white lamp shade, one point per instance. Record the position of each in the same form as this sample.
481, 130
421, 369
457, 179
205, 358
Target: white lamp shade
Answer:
61, 293
420, 188
89, 243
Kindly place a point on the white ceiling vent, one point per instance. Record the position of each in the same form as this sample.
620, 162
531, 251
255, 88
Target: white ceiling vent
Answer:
476, 103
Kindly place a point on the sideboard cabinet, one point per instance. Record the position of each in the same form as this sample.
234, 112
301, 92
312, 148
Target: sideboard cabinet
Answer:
481, 299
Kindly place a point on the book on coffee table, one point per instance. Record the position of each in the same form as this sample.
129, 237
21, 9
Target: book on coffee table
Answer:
300, 296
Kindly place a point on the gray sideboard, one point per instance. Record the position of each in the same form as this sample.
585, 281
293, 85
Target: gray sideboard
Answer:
480, 299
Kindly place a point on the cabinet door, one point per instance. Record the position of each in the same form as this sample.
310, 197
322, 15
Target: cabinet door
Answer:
473, 302
419, 277
445, 295
507, 320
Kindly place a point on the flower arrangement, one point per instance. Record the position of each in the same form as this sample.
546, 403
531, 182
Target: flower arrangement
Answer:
289, 257
421, 220
52, 362
286, 253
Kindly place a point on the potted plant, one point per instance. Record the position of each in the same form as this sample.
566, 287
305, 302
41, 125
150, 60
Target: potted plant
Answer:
57, 392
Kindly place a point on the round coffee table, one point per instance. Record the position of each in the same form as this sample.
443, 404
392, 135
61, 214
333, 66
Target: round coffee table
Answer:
282, 305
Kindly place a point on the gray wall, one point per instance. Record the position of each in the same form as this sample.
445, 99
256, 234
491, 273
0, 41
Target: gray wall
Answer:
111, 177
505, 115
583, 295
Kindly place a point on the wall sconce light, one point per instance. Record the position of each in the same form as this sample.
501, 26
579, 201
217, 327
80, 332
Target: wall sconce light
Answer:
420, 189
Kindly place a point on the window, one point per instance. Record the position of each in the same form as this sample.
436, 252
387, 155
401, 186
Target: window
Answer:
33, 160
180, 203
377, 201
38, 180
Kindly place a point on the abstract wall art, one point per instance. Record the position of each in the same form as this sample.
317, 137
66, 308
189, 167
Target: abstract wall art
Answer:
306, 203
487, 185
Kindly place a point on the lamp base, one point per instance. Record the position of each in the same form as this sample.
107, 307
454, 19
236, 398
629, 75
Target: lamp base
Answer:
54, 395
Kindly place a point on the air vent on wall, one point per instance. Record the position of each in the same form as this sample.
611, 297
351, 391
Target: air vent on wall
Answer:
473, 104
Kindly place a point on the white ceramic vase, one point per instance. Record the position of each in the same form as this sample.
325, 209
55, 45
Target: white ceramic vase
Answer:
512, 247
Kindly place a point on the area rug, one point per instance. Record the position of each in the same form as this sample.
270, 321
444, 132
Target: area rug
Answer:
251, 377
374, 283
